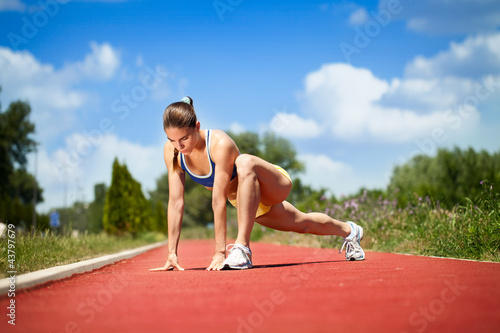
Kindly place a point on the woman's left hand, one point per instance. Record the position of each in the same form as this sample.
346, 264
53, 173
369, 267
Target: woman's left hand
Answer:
217, 262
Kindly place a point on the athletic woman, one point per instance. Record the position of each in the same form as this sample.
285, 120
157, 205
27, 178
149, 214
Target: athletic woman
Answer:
256, 188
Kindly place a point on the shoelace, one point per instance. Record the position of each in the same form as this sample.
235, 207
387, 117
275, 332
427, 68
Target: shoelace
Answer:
230, 249
247, 252
350, 246
342, 248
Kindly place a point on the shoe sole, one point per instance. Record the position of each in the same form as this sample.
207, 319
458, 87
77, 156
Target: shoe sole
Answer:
226, 266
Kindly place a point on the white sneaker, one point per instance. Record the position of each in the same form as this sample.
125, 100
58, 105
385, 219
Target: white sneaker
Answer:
353, 250
240, 257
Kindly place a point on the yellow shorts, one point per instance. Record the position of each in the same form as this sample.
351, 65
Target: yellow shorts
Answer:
263, 209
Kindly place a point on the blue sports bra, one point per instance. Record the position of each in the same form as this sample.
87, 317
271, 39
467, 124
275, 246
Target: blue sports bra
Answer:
207, 180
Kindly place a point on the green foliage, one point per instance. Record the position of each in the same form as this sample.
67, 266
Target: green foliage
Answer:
16, 184
160, 218
12, 210
96, 209
15, 141
73, 218
448, 177
247, 142
161, 192
281, 152
198, 204
473, 228
22, 185
126, 210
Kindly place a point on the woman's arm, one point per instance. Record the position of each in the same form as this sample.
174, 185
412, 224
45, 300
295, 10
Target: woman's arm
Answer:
224, 152
175, 209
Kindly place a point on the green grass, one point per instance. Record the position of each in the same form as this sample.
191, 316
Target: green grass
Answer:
37, 252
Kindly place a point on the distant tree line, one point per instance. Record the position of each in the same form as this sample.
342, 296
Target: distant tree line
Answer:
449, 177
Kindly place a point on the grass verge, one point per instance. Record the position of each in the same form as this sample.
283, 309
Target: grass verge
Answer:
38, 252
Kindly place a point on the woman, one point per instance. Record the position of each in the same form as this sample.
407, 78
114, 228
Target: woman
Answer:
257, 189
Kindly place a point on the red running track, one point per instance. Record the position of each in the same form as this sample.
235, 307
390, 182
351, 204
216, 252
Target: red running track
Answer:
291, 289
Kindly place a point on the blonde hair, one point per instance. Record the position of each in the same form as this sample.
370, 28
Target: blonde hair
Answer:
179, 115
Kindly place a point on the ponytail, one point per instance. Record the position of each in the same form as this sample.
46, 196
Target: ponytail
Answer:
175, 163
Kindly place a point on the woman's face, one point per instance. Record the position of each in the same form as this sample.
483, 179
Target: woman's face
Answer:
183, 139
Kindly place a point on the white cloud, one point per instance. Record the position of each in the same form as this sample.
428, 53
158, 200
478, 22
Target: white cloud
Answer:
12, 5
100, 64
293, 126
48, 91
449, 17
323, 172
53, 93
358, 17
86, 161
236, 128
347, 98
427, 93
475, 56
434, 91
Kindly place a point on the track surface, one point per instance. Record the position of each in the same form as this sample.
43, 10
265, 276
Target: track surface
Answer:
290, 289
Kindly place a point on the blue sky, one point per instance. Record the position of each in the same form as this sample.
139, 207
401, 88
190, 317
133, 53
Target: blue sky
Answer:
357, 86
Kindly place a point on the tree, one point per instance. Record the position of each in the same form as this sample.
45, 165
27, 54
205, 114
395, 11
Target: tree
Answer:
160, 218
450, 176
16, 184
15, 140
96, 209
281, 152
126, 210
247, 142
22, 186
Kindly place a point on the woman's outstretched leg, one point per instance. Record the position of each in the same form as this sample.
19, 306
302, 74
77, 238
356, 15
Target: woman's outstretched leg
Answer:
286, 217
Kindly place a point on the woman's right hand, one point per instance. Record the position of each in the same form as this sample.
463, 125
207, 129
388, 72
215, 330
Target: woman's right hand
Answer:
172, 262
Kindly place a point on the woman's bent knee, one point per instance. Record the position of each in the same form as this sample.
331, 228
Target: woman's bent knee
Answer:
245, 160
245, 165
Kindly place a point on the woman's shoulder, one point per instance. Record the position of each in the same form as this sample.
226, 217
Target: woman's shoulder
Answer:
220, 134
221, 140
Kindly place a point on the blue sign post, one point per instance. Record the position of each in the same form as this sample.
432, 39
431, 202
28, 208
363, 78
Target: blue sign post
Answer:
55, 219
